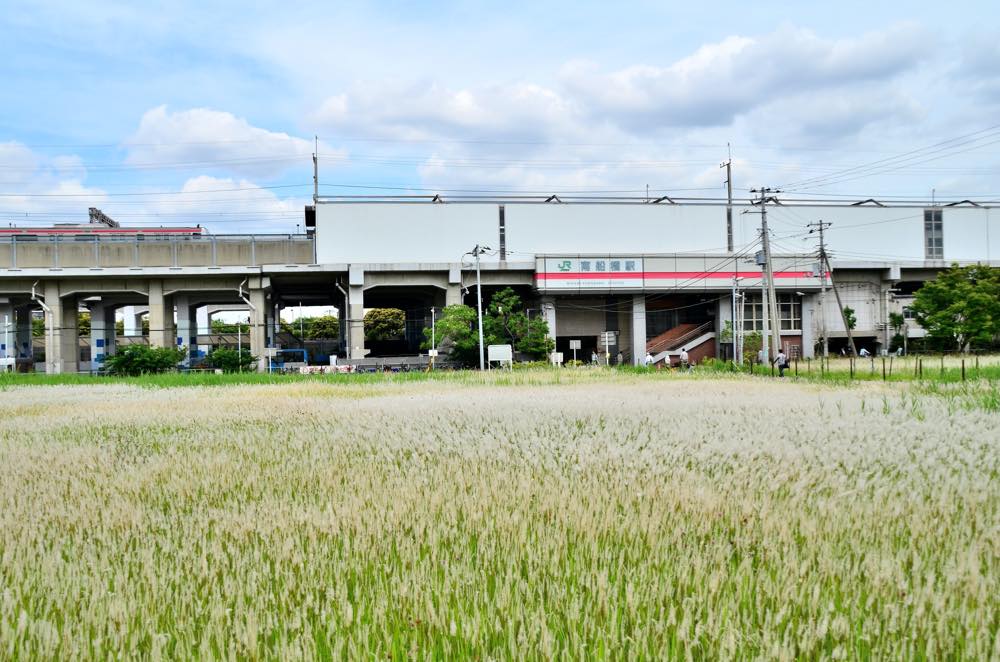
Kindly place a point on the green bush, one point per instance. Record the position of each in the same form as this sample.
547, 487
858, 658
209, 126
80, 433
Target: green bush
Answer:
231, 360
133, 360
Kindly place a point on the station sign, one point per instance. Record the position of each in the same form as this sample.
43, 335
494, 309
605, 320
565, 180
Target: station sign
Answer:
595, 273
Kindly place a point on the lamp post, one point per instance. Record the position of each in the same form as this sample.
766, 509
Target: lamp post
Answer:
476, 252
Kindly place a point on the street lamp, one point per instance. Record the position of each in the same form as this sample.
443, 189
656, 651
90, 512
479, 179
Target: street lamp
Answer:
476, 252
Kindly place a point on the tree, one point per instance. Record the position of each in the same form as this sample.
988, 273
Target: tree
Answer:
457, 334
504, 323
896, 322
961, 307
231, 360
384, 324
219, 327
852, 319
133, 360
325, 327
83, 324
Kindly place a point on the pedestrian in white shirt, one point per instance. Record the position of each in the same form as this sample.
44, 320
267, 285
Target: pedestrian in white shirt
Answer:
685, 366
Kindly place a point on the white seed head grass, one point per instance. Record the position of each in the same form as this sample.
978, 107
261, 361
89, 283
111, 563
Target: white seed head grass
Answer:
497, 520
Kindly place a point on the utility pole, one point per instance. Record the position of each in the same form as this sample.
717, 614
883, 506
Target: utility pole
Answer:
820, 226
316, 169
728, 165
476, 252
772, 302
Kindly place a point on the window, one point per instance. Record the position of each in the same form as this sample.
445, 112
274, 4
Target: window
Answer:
933, 235
908, 313
789, 312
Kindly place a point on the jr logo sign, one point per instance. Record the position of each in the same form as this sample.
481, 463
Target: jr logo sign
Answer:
565, 265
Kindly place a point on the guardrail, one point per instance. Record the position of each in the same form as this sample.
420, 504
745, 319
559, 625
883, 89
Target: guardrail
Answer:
101, 252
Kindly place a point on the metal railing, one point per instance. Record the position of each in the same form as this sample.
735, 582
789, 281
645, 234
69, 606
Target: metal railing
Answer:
672, 343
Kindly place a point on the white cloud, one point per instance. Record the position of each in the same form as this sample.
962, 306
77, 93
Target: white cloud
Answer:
43, 190
720, 81
518, 111
206, 138
223, 205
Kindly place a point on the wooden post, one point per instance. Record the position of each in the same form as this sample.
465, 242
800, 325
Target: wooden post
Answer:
883, 368
963, 370
852, 367
796, 366
920, 363
942, 365
890, 365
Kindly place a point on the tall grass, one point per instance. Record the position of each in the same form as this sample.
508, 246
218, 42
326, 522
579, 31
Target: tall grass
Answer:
458, 518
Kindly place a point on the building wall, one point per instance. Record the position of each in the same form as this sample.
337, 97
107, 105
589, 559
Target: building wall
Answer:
425, 232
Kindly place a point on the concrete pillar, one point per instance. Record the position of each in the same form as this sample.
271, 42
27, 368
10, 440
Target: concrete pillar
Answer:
132, 316
24, 344
638, 329
102, 327
8, 331
549, 313
203, 326
453, 295
187, 328
62, 348
161, 317
809, 335
355, 322
258, 328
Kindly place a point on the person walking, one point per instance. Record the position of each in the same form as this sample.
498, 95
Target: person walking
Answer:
685, 365
620, 359
593, 357
782, 362
649, 360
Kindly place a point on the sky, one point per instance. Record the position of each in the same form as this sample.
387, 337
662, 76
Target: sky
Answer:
208, 113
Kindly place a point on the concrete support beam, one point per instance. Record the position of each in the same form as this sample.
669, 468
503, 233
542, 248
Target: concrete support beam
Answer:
132, 316
258, 328
187, 327
203, 326
638, 329
453, 295
161, 316
549, 313
809, 304
62, 348
24, 345
8, 332
355, 321
102, 335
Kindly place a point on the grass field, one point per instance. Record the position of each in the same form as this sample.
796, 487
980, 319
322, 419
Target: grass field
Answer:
507, 516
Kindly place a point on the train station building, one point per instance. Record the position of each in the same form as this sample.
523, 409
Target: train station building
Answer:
653, 275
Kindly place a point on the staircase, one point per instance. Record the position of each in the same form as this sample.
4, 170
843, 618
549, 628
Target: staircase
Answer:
669, 339
689, 336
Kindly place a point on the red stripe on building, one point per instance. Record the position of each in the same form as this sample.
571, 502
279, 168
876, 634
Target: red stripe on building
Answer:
666, 275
